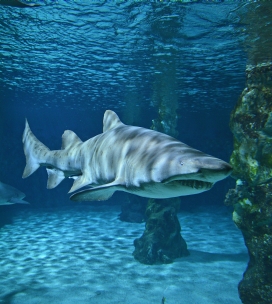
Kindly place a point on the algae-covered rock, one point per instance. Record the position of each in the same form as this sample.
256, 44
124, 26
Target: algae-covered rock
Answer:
253, 215
161, 241
251, 124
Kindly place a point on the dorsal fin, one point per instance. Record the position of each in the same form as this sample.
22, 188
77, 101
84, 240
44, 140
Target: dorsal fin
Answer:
69, 139
111, 121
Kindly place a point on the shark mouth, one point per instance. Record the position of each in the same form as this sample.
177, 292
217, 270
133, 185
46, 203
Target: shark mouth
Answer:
191, 183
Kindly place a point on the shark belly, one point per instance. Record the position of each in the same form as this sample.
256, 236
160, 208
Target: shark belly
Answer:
172, 189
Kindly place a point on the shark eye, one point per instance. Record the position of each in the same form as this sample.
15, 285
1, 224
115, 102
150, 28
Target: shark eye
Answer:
181, 163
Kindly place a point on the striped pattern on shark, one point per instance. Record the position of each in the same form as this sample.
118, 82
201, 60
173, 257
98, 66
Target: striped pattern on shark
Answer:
124, 158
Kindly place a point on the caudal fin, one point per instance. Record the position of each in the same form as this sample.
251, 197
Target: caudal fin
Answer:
35, 151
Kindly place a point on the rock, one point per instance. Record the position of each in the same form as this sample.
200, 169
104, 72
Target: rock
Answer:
161, 242
251, 124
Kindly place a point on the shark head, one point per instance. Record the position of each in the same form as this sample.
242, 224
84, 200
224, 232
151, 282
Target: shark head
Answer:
201, 167
182, 170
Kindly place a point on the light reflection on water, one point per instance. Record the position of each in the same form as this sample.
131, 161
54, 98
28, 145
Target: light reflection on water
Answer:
101, 53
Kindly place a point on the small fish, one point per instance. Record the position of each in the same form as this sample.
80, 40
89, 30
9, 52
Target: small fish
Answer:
124, 158
10, 195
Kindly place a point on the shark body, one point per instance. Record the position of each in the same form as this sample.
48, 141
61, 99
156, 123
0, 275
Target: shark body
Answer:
10, 195
124, 158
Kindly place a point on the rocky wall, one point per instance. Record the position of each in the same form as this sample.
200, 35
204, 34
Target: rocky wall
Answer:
251, 124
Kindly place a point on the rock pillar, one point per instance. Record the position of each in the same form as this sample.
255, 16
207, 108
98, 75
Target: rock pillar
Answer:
161, 241
251, 124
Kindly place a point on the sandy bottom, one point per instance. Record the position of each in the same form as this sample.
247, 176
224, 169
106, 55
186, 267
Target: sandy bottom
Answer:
84, 255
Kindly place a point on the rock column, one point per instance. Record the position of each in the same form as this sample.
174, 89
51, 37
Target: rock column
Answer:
251, 124
161, 242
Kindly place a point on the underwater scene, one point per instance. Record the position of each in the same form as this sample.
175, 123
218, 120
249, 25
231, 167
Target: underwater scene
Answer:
136, 152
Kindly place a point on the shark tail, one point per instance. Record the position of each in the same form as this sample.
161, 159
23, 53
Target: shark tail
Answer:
34, 151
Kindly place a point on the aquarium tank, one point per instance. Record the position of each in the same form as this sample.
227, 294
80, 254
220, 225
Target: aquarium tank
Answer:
136, 152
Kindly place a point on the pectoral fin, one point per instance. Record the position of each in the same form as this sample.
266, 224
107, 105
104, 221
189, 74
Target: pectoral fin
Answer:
18, 201
100, 193
80, 182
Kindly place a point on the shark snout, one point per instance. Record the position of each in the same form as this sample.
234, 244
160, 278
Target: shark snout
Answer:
215, 171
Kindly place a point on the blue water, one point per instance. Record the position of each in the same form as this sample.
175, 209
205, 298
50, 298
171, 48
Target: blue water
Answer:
64, 63
93, 55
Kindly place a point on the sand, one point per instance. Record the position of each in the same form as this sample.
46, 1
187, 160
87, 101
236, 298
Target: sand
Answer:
83, 254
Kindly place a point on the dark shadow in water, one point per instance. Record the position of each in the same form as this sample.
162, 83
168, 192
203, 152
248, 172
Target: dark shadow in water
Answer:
8, 298
5, 216
30, 290
208, 257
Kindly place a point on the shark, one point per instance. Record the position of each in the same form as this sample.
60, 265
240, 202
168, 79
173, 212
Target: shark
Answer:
10, 195
125, 158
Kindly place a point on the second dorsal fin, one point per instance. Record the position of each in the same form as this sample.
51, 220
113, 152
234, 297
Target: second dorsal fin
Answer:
69, 139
